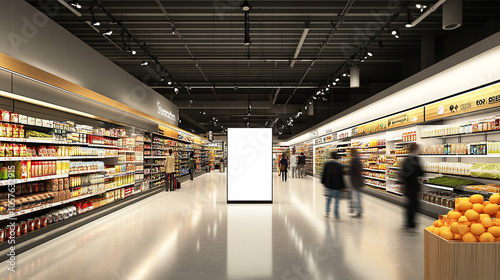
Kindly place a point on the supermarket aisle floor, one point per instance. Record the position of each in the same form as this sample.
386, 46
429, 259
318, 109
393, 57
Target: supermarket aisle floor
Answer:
193, 234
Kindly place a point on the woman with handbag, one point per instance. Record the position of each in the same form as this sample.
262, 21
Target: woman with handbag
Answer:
333, 180
283, 167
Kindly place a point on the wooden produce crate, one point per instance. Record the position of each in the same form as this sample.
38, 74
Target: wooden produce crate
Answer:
456, 260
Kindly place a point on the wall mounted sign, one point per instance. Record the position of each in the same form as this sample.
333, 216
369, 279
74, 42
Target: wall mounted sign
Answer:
476, 100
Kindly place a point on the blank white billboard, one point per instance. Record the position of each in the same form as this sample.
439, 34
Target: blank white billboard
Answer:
249, 165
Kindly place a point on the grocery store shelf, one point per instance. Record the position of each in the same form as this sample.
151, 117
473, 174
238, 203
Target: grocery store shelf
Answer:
439, 187
119, 174
19, 181
394, 192
374, 178
376, 170
86, 171
27, 140
52, 158
139, 171
392, 140
394, 167
400, 155
383, 146
158, 172
127, 151
372, 152
392, 179
463, 156
50, 205
406, 142
373, 185
464, 176
150, 157
102, 146
136, 161
159, 179
463, 134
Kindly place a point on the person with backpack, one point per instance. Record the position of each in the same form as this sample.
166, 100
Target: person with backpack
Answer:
333, 180
283, 167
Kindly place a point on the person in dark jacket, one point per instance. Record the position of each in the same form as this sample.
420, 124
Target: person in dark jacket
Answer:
301, 163
409, 177
191, 165
357, 181
333, 181
284, 167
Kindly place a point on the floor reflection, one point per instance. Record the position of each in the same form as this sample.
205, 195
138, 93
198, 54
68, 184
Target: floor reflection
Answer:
249, 242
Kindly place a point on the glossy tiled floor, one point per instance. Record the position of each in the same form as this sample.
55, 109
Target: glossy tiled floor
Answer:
193, 234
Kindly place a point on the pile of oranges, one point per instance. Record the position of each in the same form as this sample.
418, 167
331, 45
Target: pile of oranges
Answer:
473, 220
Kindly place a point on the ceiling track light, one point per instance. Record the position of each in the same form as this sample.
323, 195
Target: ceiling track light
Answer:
395, 33
176, 90
144, 63
108, 32
421, 7
369, 53
246, 8
75, 4
93, 21
408, 18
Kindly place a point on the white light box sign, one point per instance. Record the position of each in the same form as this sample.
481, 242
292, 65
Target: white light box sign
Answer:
249, 165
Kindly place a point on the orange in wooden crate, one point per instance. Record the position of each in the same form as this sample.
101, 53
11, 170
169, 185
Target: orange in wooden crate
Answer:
478, 207
477, 229
472, 215
495, 198
495, 230
486, 237
491, 209
469, 237
476, 198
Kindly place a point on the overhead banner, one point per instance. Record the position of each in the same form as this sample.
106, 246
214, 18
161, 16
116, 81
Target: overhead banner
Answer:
476, 100
250, 165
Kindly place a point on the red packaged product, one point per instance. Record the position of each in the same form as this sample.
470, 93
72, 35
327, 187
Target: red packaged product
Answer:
43, 221
15, 150
5, 115
31, 225
14, 117
2, 235
8, 129
24, 227
36, 222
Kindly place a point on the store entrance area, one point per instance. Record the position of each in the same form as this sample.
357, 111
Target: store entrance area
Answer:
193, 233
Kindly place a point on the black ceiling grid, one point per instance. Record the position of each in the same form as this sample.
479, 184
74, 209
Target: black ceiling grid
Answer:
207, 55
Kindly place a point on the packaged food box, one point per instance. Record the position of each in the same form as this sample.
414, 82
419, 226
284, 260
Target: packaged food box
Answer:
5, 115
38, 122
47, 123
23, 119
14, 117
31, 121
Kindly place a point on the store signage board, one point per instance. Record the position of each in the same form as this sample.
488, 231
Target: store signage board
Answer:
249, 165
476, 100
402, 119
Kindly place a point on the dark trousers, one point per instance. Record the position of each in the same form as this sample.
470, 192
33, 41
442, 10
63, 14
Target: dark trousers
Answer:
283, 175
191, 173
411, 210
170, 182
